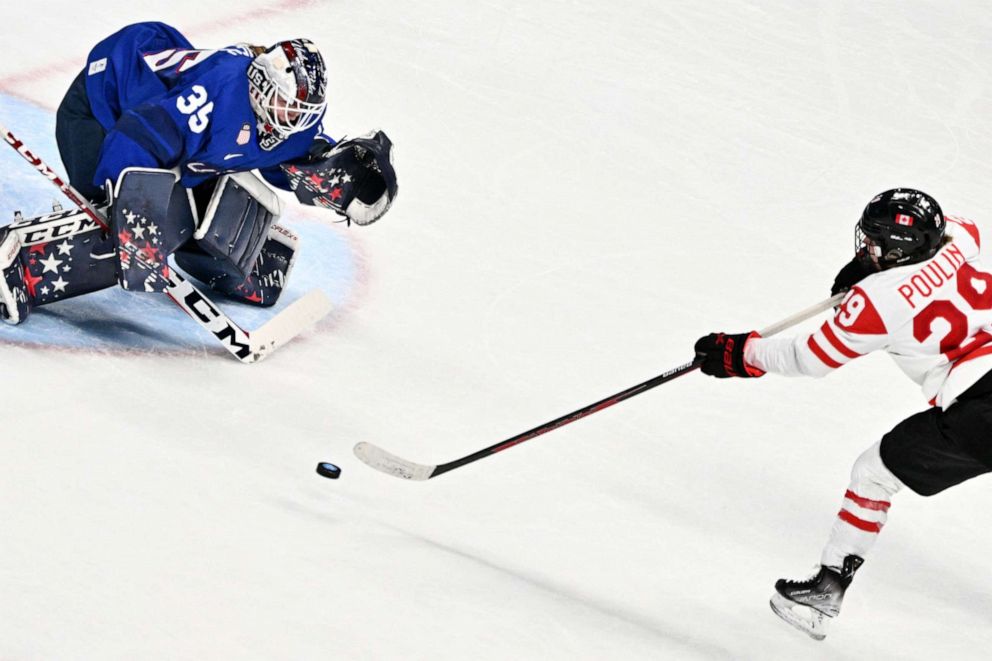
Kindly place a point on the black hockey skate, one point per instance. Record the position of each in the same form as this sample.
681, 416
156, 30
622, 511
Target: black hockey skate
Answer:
808, 605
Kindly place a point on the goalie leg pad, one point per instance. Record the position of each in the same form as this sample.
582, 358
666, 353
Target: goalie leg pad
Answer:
152, 215
63, 254
15, 304
268, 276
237, 221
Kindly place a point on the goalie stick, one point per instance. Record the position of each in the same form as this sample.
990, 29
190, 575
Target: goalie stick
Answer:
248, 347
396, 466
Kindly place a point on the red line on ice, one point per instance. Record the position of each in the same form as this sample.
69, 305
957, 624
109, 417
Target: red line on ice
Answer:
11, 83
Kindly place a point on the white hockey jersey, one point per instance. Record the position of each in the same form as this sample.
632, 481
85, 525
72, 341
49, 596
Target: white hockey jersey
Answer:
934, 318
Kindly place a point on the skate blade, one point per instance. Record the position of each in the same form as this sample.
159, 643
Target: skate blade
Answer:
808, 620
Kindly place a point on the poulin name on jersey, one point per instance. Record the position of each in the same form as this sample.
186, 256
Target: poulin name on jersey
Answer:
937, 271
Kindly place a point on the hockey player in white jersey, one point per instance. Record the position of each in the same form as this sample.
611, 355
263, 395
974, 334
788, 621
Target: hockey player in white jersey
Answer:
919, 289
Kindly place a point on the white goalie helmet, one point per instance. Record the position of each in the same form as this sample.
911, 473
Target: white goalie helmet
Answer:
287, 85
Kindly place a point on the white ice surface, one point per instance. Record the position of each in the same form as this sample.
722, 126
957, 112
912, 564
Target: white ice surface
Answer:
585, 189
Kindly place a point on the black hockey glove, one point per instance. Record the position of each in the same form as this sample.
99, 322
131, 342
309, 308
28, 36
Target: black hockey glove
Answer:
722, 355
853, 272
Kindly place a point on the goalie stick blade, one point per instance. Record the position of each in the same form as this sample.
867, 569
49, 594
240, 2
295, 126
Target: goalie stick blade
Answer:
289, 323
390, 464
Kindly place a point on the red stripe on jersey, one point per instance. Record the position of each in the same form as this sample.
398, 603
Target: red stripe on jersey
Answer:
971, 356
860, 524
980, 339
821, 354
867, 503
835, 342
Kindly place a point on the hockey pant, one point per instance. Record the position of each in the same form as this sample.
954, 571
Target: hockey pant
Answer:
79, 137
927, 453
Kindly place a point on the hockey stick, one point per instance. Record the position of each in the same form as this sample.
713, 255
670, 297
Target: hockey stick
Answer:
383, 461
246, 347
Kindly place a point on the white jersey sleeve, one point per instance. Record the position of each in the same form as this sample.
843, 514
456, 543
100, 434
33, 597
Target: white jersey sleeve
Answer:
855, 330
933, 318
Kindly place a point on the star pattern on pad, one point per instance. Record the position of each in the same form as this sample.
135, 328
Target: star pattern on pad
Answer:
31, 282
141, 260
47, 267
50, 264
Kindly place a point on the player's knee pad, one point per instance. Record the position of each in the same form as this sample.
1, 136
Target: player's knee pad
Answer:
236, 223
15, 305
264, 283
152, 214
871, 477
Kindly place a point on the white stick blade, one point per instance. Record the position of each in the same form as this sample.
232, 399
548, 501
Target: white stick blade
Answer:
287, 324
390, 464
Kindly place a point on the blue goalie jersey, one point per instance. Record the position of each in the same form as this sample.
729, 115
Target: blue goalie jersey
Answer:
165, 104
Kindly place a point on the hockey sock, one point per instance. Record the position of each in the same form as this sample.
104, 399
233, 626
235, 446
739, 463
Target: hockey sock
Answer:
864, 509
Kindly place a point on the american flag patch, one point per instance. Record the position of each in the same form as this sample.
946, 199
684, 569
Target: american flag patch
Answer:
245, 135
903, 219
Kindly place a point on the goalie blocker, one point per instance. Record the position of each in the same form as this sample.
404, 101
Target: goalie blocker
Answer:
236, 248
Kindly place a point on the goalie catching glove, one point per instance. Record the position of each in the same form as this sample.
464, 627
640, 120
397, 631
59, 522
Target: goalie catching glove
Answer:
355, 177
722, 355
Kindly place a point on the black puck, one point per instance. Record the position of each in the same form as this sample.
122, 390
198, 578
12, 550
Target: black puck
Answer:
328, 469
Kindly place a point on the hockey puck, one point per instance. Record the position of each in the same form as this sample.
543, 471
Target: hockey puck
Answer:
328, 469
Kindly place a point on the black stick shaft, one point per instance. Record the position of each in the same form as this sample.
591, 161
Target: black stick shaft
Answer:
682, 370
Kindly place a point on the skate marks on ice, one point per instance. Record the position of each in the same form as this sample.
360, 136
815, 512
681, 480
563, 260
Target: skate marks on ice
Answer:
549, 595
113, 319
